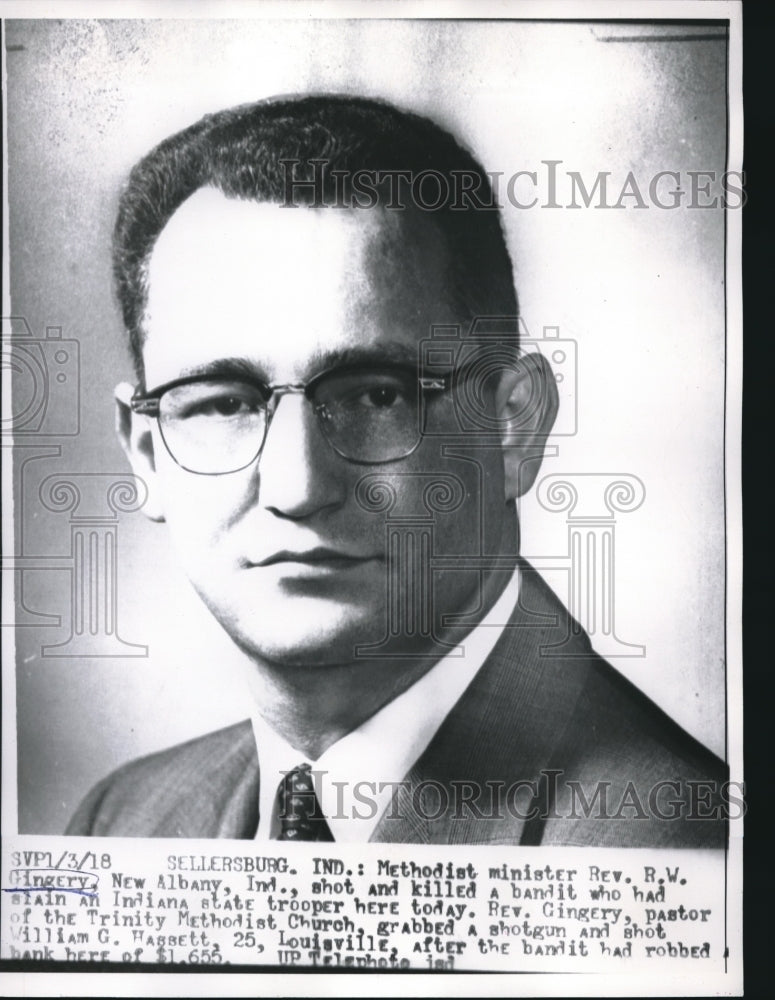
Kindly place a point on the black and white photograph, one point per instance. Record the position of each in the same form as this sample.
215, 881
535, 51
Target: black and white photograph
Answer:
372, 394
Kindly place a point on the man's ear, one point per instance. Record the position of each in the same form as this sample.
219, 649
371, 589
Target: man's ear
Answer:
527, 402
134, 433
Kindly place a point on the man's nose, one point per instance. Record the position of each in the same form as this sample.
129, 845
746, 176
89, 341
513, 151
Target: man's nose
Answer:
299, 473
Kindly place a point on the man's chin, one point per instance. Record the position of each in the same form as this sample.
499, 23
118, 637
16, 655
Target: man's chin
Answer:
304, 653
307, 635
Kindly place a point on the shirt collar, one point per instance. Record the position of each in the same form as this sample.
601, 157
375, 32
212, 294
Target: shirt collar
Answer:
356, 776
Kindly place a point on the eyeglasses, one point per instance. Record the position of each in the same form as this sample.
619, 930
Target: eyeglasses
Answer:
216, 425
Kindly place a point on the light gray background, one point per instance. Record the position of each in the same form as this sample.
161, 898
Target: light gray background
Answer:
640, 291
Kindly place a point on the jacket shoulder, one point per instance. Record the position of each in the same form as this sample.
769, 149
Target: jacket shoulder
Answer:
175, 792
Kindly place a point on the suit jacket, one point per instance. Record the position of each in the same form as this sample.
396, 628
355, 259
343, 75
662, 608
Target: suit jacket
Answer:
548, 745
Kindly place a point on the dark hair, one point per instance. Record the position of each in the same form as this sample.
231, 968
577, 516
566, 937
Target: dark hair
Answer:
311, 150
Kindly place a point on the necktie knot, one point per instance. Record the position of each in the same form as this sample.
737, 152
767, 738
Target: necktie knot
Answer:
299, 812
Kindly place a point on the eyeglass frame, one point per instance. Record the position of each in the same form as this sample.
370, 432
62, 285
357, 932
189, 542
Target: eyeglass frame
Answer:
147, 404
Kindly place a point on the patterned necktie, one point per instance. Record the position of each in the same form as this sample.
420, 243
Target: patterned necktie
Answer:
297, 808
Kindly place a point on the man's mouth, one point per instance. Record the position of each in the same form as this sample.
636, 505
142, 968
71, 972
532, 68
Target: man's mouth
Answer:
321, 557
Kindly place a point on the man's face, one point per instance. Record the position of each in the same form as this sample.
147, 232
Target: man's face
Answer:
282, 552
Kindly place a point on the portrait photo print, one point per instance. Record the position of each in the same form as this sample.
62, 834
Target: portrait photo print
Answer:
371, 385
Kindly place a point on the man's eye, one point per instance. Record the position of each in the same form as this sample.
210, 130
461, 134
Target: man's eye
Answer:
227, 406
382, 396
370, 396
219, 406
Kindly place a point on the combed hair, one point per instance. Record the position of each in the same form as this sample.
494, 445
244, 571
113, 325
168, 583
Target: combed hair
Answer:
251, 151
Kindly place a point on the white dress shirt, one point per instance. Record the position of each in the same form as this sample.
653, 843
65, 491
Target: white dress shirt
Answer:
355, 777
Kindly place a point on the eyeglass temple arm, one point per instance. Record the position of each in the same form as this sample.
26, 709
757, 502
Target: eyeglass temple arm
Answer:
148, 405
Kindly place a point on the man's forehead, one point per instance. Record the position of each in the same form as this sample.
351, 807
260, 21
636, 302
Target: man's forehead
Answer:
235, 276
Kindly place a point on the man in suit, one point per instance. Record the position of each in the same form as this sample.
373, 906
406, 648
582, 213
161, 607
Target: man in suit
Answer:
333, 417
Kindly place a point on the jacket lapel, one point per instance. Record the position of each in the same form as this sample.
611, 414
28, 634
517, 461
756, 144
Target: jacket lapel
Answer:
475, 782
